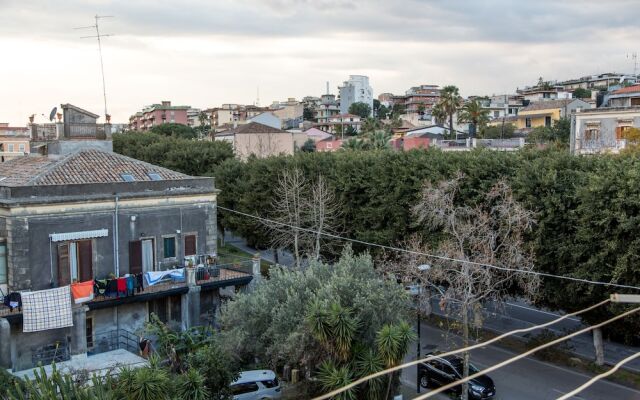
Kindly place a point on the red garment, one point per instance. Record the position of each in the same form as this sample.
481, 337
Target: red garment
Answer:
122, 285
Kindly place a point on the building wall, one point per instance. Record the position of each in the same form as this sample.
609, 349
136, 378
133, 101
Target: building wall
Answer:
263, 144
607, 125
268, 119
536, 119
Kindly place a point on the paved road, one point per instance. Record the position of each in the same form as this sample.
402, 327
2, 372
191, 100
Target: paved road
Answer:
526, 379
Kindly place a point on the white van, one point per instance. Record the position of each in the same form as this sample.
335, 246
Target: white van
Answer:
256, 385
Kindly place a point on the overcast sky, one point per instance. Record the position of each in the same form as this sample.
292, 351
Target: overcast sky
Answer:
207, 52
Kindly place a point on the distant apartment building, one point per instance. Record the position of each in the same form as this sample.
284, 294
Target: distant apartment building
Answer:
14, 141
624, 97
229, 115
327, 108
158, 114
541, 94
500, 106
193, 117
341, 122
599, 81
355, 90
290, 112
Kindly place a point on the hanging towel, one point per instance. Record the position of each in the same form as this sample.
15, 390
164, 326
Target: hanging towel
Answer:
46, 309
153, 277
122, 286
112, 288
100, 287
131, 283
82, 291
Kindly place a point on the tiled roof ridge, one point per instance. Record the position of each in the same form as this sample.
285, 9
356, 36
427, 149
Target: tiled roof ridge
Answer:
41, 176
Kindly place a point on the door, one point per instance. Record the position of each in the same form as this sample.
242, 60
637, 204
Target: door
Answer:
135, 257
147, 255
85, 260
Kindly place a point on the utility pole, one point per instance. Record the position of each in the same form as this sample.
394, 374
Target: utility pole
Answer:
99, 36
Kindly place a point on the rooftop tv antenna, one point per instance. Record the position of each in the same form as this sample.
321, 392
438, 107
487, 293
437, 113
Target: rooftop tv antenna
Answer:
98, 36
634, 56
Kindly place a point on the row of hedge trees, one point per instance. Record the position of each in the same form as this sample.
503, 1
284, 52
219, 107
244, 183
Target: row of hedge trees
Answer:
587, 208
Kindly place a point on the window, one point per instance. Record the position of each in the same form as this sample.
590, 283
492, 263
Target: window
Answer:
154, 176
242, 388
547, 121
169, 246
527, 122
3, 262
21, 147
75, 262
190, 245
496, 114
270, 383
127, 177
11, 147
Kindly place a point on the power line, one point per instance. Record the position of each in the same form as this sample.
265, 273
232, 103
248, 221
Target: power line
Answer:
598, 377
523, 355
458, 351
544, 274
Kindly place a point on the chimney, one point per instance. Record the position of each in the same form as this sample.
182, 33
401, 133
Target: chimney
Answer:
327, 87
166, 103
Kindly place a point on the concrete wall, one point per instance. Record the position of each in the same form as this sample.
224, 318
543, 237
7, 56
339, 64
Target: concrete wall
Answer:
24, 345
69, 146
263, 144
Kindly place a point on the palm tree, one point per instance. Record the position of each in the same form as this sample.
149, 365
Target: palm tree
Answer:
474, 114
370, 124
393, 342
449, 103
354, 144
379, 140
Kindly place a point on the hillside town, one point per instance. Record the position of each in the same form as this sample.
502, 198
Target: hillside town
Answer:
430, 240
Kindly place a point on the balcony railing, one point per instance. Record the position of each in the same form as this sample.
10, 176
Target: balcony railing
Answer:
85, 130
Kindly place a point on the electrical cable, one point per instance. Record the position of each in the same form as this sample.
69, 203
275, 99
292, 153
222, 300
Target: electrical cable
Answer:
523, 355
458, 351
544, 274
598, 377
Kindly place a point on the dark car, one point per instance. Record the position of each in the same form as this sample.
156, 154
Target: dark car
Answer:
442, 371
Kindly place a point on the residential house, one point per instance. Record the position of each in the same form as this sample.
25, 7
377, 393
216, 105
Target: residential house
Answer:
316, 134
543, 94
14, 142
82, 213
602, 130
327, 108
328, 144
341, 122
290, 112
193, 117
505, 105
74, 126
624, 97
267, 118
158, 114
599, 81
545, 113
261, 140
355, 90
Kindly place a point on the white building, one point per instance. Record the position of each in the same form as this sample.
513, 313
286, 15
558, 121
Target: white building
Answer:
355, 90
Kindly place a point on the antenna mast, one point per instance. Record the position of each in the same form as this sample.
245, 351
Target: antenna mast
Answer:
98, 36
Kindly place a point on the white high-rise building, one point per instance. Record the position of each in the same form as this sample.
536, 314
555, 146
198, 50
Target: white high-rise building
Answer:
356, 89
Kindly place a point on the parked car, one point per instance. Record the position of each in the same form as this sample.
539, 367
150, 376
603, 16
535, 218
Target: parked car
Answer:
256, 385
442, 371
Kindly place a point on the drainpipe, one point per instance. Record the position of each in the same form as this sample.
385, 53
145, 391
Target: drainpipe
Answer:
116, 241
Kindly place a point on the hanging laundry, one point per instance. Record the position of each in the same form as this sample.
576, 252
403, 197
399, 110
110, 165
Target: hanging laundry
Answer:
122, 286
112, 288
100, 287
131, 283
139, 279
46, 309
13, 300
153, 277
82, 291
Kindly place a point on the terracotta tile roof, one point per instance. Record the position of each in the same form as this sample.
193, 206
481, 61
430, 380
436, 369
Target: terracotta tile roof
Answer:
547, 105
628, 89
84, 166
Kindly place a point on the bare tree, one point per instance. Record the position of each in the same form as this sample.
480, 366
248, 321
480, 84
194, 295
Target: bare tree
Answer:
288, 210
491, 232
298, 204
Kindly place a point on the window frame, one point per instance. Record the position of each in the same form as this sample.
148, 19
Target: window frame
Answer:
10, 147
527, 122
175, 247
21, 147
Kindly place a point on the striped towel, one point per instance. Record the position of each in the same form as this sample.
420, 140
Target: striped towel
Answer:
46, 309
82, 291
153, 277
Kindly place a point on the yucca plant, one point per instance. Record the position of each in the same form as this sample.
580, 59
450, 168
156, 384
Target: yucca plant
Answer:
368, 362
149, 384
191, 385
332, 377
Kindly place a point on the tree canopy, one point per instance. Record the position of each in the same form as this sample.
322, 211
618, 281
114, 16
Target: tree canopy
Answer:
176, 130
363, 110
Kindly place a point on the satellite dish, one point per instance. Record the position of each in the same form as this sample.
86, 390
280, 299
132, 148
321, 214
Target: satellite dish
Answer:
52, 115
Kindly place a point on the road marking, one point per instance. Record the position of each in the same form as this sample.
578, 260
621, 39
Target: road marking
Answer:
573, 397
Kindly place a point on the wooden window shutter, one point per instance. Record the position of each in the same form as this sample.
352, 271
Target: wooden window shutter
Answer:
64, 270
619, 133
190, 245
85, 260
135, 257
